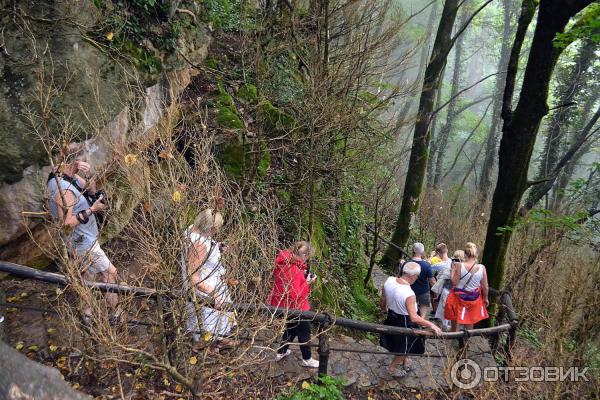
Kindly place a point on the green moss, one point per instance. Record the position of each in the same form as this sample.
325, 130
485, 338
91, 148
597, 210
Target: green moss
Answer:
212, 63
248, 93
227, 116
232, 160
236, 158
275, 118
265, 160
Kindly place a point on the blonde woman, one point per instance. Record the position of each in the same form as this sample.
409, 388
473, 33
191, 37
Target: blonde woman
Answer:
202, 268
291, 288
468, 299
444, 284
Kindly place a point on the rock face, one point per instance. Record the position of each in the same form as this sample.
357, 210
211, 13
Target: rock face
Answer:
58, 79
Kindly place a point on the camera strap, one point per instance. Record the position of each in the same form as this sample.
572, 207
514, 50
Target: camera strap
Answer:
72, 181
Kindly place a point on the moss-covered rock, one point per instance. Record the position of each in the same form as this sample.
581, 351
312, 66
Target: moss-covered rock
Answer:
248, 93
227, 115
274, 118
237, 160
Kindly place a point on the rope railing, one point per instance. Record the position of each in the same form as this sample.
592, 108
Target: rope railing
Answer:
323, 320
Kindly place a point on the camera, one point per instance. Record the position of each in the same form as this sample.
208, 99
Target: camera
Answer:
100, 195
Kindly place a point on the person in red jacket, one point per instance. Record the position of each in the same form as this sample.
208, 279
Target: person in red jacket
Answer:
291, 289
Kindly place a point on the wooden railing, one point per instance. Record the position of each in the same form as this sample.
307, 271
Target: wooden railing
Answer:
506, 319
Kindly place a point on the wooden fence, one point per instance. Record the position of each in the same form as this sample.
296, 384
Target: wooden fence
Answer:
506, 319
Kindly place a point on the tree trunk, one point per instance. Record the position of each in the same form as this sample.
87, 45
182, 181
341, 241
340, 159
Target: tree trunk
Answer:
521, 125
422, 61
571, 82
421, 137
485, 183
442, 140
574, 149
22, 378
565, 175
434, 124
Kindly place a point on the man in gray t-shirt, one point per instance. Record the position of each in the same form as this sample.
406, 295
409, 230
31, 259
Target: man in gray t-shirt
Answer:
70, 207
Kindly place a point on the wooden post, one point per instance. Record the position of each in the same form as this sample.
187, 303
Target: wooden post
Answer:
510, 340
323, 346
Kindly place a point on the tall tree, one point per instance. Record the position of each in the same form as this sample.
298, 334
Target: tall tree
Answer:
521, 125
564, 176
487, 170
422, 134
422, 61
442, 140
570, 81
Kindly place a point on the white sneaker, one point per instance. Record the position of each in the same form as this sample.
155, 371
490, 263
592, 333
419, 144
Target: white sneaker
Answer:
310, 363
280, 356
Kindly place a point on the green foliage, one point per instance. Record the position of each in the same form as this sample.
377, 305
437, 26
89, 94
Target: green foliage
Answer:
284, 85
143, 59
148, 6
588, 25
212, 63
248, 93
175, 29
228, 15
327, 388
592, 357
530, 336
275, 118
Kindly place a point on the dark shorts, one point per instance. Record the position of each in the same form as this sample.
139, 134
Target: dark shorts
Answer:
424, 300
403, 344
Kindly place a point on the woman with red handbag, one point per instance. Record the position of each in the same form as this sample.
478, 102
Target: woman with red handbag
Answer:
468, 299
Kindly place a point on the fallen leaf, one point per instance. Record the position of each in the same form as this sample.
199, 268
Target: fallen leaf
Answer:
130, 159
179, 388
24, 294
146, 206
19, 345
177, 196
305, 385
193, 360
418, 396
33, 347
166, 154
50, 330
110, 36
11, 310
166, 382
61, 362
75, 386
53, 348
207, 336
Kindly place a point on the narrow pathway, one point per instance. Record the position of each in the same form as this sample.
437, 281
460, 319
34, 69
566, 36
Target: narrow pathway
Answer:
429, 372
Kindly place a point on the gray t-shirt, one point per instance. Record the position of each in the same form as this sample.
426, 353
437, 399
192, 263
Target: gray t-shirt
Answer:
83, 236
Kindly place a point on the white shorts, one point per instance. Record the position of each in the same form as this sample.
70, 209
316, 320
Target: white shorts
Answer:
95, 260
